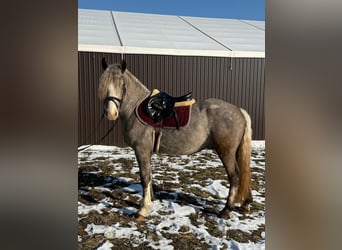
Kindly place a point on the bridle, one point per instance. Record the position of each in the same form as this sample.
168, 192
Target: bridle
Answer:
117, 101
113, 99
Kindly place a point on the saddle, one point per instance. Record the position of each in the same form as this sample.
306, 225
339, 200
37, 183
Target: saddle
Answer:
162, 110
161, 106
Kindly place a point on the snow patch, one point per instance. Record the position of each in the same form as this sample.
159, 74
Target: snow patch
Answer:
167, 215
106, 246
216, 188
85, 209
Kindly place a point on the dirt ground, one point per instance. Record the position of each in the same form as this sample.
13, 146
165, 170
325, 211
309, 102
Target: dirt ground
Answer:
105, 180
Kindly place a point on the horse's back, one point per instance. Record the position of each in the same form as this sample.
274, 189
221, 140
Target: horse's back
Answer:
221, 111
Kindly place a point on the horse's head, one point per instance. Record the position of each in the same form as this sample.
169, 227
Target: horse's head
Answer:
112, 88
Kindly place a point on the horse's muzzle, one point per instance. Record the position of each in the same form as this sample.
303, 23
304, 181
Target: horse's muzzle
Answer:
111, 107
111, 111
111, 115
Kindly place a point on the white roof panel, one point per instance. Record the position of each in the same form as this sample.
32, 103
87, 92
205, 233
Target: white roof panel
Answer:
237, 35
160, 31
123, 32
257, 24
96, 30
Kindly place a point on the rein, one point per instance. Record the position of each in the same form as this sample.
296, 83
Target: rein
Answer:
79, 150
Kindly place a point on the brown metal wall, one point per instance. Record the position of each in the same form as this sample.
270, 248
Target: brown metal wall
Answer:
240, 81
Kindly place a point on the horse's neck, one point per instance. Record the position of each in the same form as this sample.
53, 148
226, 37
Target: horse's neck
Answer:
135, 93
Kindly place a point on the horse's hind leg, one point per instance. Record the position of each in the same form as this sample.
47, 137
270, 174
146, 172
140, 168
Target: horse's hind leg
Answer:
230, 164
144, 161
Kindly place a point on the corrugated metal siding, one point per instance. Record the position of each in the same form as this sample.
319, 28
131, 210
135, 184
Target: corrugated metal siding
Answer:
239, 81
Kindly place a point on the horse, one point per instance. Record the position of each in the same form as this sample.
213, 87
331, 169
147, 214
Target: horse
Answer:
214, 124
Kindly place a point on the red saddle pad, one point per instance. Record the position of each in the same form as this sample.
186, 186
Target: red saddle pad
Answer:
183, 114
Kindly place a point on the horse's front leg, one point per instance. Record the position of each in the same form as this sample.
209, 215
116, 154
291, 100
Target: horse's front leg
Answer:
144, 161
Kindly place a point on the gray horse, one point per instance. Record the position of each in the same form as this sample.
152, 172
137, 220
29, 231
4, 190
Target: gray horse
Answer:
214, 124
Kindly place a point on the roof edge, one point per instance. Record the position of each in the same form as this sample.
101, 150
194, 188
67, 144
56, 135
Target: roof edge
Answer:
172, 52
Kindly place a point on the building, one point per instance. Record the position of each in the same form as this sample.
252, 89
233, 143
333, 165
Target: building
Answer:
211, 57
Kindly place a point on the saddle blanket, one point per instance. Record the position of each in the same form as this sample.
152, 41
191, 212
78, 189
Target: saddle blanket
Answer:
182, 109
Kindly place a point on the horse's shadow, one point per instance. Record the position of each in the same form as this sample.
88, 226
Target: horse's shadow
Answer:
125, 194
199, 203
96, 187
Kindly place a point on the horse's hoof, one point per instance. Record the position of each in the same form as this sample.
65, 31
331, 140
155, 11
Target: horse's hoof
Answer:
139, 218
246, 208
224, 214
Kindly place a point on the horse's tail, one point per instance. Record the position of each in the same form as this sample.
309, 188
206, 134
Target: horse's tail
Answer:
243, 159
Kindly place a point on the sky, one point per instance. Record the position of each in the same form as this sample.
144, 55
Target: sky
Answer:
232, 9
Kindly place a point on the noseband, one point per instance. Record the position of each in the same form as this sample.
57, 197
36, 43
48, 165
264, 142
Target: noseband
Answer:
115, 100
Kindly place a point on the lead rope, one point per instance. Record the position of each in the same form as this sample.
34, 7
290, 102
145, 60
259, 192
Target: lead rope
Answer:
79, 150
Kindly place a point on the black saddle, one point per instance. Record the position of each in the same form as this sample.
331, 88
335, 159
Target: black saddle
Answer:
161, 106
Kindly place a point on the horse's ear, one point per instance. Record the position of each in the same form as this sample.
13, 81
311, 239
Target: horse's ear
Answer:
104, 63
123, 66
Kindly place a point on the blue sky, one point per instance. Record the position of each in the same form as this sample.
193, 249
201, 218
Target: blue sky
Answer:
236, 9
